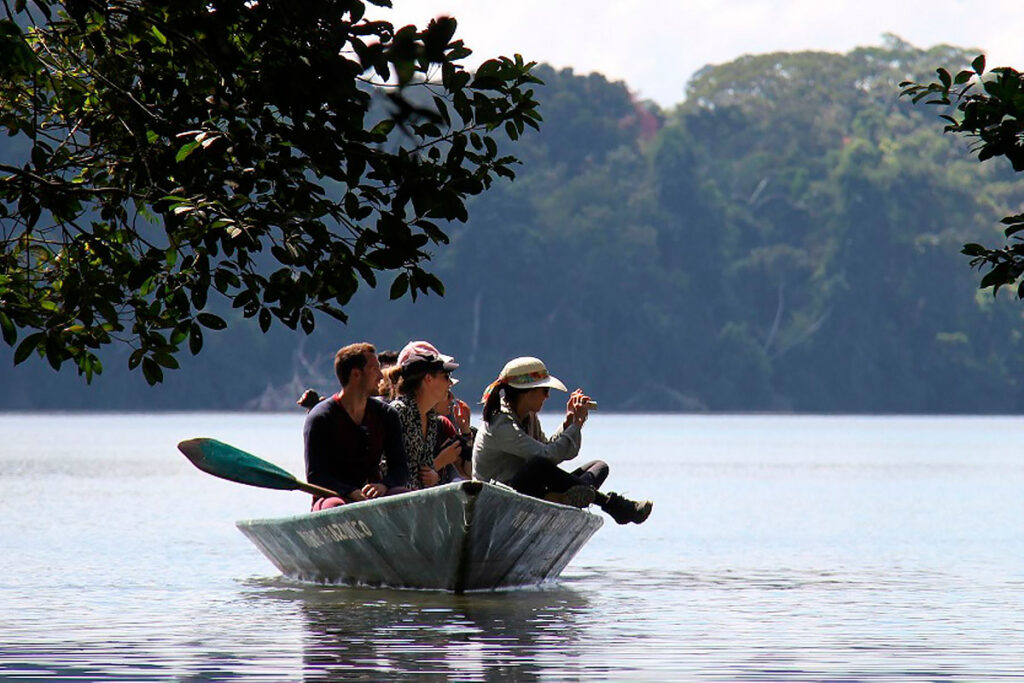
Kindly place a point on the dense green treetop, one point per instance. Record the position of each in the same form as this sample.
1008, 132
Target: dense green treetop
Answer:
161, 151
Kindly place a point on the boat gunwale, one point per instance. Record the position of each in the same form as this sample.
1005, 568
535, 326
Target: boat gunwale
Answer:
471, 488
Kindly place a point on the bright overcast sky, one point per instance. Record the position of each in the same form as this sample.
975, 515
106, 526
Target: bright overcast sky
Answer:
655, 46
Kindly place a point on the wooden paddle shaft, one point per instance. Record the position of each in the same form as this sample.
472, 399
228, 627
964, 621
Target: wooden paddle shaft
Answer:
316, 490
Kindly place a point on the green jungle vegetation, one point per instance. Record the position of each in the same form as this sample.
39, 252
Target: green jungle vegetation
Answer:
267, 153
786, 239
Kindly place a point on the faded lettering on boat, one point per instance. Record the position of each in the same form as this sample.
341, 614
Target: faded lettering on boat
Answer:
338, 531
521, 518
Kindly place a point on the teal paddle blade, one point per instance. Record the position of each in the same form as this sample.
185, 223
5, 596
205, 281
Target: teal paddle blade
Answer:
234, 464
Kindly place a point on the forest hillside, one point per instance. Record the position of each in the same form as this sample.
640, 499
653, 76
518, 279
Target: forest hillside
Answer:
785, 239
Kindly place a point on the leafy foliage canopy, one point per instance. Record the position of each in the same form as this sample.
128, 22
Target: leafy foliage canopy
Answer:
273, 152
989, 109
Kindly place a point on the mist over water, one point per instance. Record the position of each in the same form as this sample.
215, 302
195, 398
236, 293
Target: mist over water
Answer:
780, 548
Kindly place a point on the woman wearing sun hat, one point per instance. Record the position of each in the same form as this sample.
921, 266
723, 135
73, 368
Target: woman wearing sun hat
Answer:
511, 448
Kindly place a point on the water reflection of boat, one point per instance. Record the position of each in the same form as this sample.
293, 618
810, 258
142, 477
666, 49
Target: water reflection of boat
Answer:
457, 537
360, 634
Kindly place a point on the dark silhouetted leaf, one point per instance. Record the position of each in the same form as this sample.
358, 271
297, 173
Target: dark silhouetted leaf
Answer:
27, 346
211, 321
7, 327
151, 371
400, 285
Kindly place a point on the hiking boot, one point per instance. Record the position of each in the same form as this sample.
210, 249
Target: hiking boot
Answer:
576, 496
623, 510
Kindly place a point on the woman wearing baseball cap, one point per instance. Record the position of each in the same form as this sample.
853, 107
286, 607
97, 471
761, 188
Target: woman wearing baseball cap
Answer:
421, 379
511, 447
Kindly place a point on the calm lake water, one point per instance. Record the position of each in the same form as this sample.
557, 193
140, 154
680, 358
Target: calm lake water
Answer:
780, 549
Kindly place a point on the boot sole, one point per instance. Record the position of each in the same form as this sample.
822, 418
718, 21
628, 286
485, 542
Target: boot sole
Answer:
643, 512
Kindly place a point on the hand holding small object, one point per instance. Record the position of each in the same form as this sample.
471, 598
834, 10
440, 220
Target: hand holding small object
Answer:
577, 408
429, 477
374, 490
462, 415
448, 454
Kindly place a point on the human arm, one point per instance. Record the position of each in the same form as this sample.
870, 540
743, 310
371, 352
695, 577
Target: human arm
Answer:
507, 436
449, 446
429, 477
394, 450
461, 416
467, 432
464, 469
448, 455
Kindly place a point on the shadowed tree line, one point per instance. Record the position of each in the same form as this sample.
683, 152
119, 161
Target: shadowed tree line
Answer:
786, 239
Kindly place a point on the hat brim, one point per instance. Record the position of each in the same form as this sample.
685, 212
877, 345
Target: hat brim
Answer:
449, 363
550, 382
423, 366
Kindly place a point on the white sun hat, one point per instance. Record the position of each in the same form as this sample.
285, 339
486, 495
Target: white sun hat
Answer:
527, 372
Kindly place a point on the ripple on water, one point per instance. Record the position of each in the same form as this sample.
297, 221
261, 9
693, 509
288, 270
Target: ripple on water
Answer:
801, 555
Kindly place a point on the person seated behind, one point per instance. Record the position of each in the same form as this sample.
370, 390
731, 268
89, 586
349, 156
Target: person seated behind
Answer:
386, 390
422, 377
349, 436
310, 397
457, 411
511, 447
451, 412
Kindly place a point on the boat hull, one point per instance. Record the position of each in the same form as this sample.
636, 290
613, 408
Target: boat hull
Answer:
456, 537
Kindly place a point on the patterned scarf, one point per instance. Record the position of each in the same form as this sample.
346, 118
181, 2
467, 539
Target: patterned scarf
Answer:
419, 447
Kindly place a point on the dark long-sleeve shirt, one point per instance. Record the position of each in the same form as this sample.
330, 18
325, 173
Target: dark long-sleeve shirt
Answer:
344, 456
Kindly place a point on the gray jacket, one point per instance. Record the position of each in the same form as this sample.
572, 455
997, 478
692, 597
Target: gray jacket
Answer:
503, 445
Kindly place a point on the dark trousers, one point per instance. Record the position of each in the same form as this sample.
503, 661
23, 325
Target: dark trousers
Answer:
540, 476
592, 473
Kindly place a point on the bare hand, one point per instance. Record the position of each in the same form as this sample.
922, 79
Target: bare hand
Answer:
374, 490
429, 477
465, 469
462, 415
448, 455
577, 408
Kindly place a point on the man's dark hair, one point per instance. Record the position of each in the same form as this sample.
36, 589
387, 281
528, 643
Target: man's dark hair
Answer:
349, 358
387, 358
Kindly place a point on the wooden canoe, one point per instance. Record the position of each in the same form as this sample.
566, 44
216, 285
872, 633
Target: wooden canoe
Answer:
457, 537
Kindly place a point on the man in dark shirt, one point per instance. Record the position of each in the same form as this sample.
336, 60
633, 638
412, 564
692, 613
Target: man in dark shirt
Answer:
350, 435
